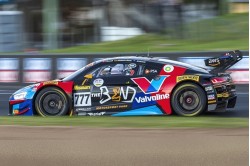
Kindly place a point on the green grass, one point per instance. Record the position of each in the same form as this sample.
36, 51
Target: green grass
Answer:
228, 32
130, 122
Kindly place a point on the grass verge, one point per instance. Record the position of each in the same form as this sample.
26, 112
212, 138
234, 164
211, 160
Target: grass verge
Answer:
130, 122
229, 32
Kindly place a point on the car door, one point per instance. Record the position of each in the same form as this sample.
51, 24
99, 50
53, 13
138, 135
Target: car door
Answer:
113, 90
149, 83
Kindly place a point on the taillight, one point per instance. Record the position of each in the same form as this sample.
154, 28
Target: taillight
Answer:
217, 80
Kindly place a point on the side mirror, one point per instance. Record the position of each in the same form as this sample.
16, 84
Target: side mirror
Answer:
88, 76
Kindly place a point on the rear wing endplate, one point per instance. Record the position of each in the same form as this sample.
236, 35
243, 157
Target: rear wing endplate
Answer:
223, 62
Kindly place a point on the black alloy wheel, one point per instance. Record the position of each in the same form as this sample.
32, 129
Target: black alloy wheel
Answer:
51, 101
189, 99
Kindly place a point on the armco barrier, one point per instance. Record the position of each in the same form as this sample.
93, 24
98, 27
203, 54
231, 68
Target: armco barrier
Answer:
21, 69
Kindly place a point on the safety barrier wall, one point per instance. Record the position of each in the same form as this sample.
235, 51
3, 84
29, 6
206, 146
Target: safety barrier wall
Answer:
21, 69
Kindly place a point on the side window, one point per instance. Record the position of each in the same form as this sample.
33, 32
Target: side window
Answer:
140, 70
119, 69
95, 72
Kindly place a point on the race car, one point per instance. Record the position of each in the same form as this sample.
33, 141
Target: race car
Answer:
132, 86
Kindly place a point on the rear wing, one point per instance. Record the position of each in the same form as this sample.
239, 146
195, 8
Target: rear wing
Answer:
223, 62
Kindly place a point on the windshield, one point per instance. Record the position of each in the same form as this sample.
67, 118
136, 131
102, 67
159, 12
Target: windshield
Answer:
73, 75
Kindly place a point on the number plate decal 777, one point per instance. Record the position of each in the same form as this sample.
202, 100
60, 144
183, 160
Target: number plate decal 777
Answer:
82, 99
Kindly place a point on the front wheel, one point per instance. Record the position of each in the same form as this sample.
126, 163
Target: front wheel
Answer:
51, 101
189, 99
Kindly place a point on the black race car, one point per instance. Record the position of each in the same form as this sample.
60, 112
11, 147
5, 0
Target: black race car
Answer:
128, 86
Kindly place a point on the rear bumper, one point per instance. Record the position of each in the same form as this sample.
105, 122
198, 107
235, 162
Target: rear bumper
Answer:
223, 105
232, 102
225, 97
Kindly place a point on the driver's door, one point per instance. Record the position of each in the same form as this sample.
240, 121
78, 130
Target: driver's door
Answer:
113, 90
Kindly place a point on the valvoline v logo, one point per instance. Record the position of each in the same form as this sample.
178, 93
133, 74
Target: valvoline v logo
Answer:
149, 86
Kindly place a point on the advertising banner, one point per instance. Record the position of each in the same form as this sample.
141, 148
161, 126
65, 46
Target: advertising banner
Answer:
36, 69
9, 69
66, 66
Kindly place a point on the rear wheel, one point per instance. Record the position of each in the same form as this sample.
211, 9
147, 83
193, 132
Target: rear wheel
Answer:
51, 101
189, 99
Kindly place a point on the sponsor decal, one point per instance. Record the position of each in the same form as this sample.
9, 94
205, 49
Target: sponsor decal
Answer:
225, 94
132, 65
211, 101
50, 82
211, 97
150, 71
95, 94
16, 111
82, 99
152, 98
140, 61
121, 94
214, 62
83, 109
123, 60
104, 95
112, 107
96, 113
77, 87
168, 68
149, 86
116, 96
98, 82
187, 77
209, 88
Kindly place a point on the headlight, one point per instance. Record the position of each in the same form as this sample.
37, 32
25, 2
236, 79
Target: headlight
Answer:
20, 95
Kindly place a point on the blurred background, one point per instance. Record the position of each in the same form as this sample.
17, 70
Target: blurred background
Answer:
53, 24
47, 39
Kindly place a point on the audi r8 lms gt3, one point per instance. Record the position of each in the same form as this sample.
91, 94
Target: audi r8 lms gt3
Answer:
128, 86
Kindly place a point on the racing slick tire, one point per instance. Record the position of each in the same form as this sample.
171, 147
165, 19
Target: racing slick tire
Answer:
51, 101
189, 99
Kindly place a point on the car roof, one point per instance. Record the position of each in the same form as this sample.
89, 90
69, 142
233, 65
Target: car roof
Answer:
162, 60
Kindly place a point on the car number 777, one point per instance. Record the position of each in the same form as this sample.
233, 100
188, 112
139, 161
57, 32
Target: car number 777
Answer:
82, 99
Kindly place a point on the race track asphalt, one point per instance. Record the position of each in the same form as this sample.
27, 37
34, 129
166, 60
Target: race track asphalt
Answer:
241, 109
73, 146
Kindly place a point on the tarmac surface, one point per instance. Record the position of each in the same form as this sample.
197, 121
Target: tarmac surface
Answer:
70, 146
73, 146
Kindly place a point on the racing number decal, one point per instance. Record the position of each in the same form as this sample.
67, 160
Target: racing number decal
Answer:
82, 99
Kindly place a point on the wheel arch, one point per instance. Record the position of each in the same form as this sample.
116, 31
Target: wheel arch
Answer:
187, 81
183, 82
48, 86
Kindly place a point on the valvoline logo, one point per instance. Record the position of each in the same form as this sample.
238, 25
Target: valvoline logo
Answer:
149, 86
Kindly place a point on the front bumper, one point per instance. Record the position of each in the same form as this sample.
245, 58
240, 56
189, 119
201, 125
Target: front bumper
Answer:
21, 107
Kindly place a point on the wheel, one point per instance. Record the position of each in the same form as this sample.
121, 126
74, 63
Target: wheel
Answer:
51, 101
189, 99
